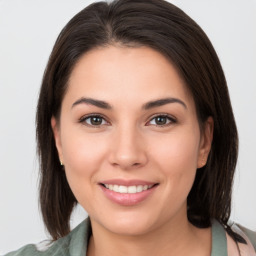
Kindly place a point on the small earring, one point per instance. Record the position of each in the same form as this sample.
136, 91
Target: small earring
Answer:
61, 163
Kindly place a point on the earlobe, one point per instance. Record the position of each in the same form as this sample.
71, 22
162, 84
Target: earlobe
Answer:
206, 142
56, 134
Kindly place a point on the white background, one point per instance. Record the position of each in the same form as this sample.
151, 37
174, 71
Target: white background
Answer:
28, 30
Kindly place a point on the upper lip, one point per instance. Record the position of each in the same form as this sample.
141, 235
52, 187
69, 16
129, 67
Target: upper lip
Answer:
127, 183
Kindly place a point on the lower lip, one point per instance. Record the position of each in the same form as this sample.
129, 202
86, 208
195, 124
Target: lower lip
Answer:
127, 199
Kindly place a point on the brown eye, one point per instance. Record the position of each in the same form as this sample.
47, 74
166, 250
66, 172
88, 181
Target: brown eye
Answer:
94, 120
162, 120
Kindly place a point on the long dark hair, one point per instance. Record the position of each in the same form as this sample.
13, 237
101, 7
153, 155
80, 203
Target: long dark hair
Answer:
167, 29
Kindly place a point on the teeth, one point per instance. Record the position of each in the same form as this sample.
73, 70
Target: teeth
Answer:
116, 188
129, 189
132, 189
141, 188
123, 189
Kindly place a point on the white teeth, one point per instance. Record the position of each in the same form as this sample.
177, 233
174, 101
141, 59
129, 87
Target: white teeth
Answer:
132, 189
128, 189
139, 188
122, 189
116, 188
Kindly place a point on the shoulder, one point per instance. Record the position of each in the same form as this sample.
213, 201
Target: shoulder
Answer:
44, 248
75, 241
251, 235
245, 249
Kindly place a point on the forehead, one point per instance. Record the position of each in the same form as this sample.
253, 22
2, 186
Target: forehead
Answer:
126, 73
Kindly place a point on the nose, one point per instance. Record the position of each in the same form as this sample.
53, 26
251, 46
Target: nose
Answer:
128, 150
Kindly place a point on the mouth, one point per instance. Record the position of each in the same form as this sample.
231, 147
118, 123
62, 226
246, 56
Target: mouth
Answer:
128, 192
133, 189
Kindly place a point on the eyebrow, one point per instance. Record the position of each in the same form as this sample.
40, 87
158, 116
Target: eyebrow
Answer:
94, 102
161, 102
146, 106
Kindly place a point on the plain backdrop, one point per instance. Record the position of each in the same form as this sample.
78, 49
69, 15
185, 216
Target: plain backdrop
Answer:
28, 30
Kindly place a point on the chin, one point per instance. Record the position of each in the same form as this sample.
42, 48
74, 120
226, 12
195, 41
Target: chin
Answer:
131, 225
130, 230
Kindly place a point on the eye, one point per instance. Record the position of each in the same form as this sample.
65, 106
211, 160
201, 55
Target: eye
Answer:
162, 120
93, 120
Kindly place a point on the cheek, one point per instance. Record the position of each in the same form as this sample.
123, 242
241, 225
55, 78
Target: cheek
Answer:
82, 152
177, 151
176, 157
83, 158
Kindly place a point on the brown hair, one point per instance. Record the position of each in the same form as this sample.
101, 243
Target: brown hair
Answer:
167, 29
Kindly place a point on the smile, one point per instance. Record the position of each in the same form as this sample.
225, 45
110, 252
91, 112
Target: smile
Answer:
127, 189
128, 193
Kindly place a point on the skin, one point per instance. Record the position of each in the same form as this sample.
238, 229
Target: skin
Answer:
128, 143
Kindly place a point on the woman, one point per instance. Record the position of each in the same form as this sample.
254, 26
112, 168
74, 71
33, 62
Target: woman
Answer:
134, 122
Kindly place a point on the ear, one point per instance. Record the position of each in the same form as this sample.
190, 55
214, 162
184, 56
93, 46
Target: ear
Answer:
56, 134
205, 142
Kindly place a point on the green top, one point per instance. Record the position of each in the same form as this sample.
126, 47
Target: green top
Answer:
75, 243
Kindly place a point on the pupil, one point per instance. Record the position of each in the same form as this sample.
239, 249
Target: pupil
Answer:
96, 120
161, 120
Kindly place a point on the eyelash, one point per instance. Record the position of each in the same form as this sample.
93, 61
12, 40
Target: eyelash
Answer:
171, 119
83, 119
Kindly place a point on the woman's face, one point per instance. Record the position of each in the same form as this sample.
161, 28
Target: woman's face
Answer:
129, 139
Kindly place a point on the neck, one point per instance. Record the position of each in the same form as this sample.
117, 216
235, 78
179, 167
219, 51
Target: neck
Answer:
168, 240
